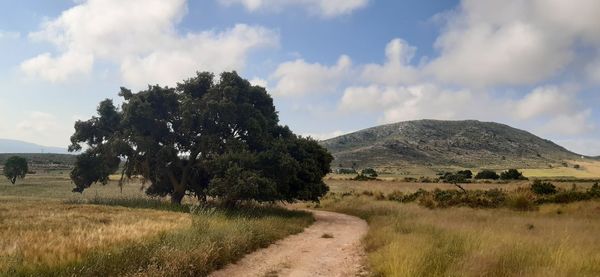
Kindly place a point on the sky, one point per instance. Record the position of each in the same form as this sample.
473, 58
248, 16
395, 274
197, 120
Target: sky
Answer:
332, 66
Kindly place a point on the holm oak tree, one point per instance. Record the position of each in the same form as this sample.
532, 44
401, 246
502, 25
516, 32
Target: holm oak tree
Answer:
204, 138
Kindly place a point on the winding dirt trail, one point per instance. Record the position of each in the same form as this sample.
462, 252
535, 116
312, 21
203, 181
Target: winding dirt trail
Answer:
309, 253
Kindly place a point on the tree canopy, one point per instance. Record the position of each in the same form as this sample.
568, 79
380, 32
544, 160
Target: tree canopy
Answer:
15, 167
206, 138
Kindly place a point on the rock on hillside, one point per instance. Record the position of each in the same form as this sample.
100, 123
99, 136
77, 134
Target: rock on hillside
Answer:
445, 143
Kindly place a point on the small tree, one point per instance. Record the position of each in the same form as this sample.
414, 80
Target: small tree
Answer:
468, 174
369, 172
15, 167
542, 188
512, 174
487, 174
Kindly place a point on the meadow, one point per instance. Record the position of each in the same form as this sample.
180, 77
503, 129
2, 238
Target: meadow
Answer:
46, 230
407, 239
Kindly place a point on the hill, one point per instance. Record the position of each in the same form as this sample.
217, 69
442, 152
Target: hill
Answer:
467, 143
17, 146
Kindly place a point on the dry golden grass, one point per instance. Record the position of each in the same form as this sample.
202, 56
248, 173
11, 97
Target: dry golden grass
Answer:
409, 240
35, 232
46, 230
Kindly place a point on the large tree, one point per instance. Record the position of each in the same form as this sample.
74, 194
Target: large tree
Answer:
15, 167
204, 138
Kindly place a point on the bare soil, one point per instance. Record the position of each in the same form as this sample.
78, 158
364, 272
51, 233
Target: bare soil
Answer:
329, 247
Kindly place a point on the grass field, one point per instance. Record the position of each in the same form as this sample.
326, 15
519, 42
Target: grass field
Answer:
46, 230
410, 240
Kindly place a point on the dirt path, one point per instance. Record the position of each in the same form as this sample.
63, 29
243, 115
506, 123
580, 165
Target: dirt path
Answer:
309, 253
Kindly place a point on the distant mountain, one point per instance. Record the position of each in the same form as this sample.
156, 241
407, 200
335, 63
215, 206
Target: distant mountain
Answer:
17, 146
445, 143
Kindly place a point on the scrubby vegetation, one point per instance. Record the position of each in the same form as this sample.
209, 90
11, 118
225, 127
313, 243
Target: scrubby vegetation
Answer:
487, 175
524, 199
407, 239
512, 174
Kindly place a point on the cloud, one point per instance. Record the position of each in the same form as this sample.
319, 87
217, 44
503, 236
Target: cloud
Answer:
324, 136
324, 8
582, 145
259, 82
571, 124
298, 77
401, 103
140, 36
397, 68
41, 127
546, 101
497, 42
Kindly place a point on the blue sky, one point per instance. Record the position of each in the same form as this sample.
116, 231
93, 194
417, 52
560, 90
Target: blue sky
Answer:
332, 66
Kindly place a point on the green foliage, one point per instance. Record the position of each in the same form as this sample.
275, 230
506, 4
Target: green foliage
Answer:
468, 174
512, 174
370, 172
203, 138
543, 188
362, 177
347, 171
487, 175
15, 167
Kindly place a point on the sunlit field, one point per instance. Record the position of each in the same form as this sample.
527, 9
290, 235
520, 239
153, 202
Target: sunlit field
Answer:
46, 230
407, 239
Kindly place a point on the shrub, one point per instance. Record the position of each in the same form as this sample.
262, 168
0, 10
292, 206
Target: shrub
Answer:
522, 201
468, 174
487, 175
361, 177
395, 196
369, 172
512, 174
346, 171
543, 188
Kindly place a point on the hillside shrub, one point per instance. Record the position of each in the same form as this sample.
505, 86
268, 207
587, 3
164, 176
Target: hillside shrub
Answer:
512, 174
543, 188
522, 200
369, 172
468, 174
347, 171
487, 174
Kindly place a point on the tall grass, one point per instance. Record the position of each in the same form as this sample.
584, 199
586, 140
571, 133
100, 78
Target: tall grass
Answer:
410, 240
215, 238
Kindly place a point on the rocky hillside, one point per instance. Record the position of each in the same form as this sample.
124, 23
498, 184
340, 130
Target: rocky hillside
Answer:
445, 143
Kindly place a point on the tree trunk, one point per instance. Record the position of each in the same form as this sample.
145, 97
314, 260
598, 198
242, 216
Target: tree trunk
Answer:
177, 196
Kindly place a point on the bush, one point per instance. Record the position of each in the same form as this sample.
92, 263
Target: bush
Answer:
361, 177
346, 171
487, 175
468, 174
543, 188
512, 174
522, 201
369, 172
395, 196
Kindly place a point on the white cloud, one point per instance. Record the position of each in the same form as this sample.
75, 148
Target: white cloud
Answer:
571, 124
137, 35
42, 128
298, 77
498, 42
58, 69
325, 8
397, 68
324, 136
259, 82
546, 101
401, 103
